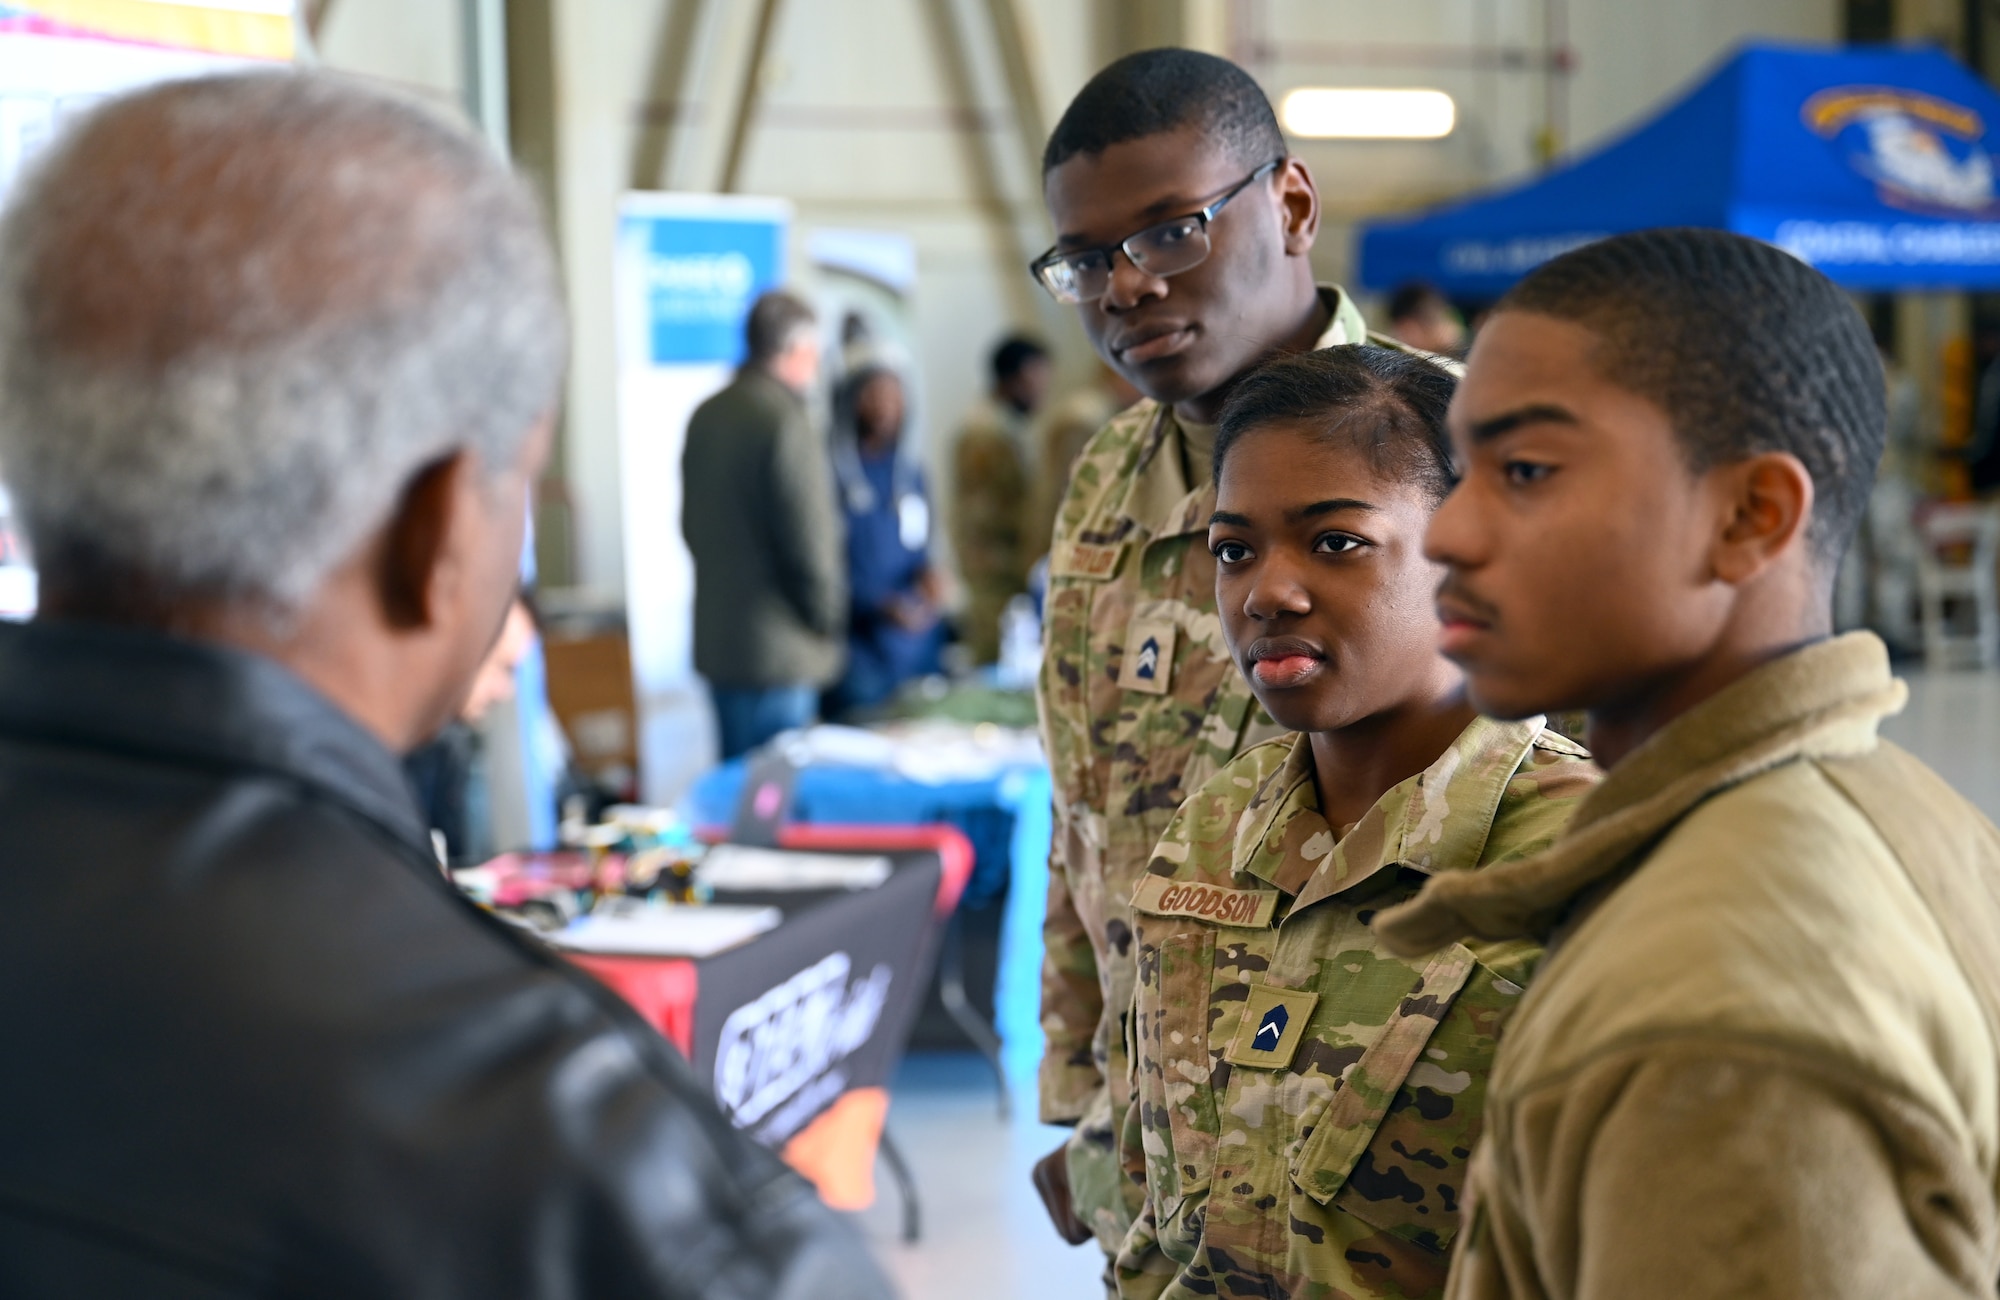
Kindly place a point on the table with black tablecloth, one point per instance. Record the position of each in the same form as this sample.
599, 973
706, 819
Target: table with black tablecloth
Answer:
797, 1031
988, 986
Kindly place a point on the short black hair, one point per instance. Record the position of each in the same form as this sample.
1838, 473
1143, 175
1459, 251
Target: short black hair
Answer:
774, 319
1012, 355
1163, 90
1389, 404
847, 393
1746, 348
1413, 298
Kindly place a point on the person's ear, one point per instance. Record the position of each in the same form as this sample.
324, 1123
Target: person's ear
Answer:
1298, 202
417, 543
1767, 503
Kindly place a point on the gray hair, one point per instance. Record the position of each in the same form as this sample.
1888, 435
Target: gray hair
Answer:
775, 320
239, 314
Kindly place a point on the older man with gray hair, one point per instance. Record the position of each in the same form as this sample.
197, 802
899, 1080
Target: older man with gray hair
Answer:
277, 361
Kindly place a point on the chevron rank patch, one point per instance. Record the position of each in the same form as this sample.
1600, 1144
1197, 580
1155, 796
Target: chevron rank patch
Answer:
1274, 1024
1149, 656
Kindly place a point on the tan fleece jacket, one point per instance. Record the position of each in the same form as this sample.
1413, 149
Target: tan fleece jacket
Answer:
1764, 1059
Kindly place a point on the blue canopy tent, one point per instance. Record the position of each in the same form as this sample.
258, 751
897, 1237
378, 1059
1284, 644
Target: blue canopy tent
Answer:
1873, 164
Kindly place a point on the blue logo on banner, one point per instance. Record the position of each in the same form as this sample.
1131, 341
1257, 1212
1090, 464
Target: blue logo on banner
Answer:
1924, 153
702, 274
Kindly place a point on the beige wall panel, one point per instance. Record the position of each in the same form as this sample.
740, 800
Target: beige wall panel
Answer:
862, 126
603, 56
1631, 56
415, 43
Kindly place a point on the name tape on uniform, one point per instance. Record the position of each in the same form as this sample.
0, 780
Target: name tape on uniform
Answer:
1086, 561
1217, 904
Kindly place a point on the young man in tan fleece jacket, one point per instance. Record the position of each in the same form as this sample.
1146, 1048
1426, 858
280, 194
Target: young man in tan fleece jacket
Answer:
1762, 1058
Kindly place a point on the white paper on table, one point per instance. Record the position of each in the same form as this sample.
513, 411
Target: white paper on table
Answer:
741, 868
675, 931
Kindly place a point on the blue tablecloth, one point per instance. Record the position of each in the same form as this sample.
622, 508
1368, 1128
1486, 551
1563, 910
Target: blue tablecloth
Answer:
1007, 818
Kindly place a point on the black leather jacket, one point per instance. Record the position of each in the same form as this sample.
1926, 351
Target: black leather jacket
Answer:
251, 1042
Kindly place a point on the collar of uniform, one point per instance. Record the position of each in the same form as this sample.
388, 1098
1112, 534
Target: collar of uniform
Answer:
1162, 500
1436, 821
1822, 702
1344, 323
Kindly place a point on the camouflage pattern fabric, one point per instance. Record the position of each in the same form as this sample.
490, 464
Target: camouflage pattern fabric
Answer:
989, 507
1059, 435
1140, 705
1306, 1100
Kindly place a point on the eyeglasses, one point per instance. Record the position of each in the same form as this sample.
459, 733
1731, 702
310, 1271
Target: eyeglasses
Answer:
1169, 248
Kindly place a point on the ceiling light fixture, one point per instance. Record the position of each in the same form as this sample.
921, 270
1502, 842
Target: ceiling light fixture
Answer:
1357, 113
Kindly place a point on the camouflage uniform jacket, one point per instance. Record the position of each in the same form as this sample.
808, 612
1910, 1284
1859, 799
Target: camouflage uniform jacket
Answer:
1140, 705
1306, 1100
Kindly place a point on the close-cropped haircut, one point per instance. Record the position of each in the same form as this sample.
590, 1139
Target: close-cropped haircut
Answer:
1747, 349
775, 319
1389, 405
1160, 90
1415, 298
239, 314
1014, 354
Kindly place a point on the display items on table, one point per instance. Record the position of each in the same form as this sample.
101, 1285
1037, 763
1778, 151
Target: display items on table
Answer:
977, 776
636, 930
635, 856
789, 977
962, 769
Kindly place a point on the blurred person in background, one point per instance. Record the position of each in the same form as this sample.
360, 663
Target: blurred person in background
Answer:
443, 770
759, 515
279, 356
1064, 428
1184, 241
1423, 318
991, 467
895, 626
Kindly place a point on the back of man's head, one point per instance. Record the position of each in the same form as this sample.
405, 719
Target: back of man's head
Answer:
1014, 354
1160, 90
1416, 300
775, 322
1745, 348
238, 315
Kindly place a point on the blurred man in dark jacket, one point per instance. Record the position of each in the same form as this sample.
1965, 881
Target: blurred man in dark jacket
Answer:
277, 361
770, 587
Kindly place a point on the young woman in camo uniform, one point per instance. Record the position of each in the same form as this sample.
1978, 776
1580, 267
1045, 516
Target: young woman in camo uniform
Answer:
1307, 1100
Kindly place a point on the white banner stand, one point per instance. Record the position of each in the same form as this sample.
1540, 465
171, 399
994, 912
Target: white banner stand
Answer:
688, 267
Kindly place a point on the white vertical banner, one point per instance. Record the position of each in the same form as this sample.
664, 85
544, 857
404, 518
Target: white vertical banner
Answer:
687, 268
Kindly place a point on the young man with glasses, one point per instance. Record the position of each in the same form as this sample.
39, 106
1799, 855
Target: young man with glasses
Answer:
1184, 235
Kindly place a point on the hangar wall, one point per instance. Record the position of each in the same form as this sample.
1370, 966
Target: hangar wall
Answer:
906, 115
